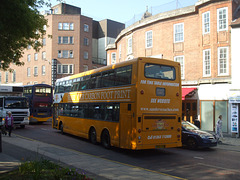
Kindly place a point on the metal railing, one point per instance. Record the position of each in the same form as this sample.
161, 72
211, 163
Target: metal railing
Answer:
100, 61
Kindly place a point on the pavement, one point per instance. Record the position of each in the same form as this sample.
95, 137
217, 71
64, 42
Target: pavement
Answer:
93, 166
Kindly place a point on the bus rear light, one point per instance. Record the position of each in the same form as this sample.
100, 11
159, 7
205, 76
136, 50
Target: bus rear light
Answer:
177, 94
178, 129
142, 91
178, 136
139, 138
139, 131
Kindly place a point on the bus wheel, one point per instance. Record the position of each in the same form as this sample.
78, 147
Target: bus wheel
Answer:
22, 126
92, 136
105, 139
61, 128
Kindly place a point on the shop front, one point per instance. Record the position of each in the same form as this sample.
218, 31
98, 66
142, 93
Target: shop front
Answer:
189, 104
213, 103
234, 101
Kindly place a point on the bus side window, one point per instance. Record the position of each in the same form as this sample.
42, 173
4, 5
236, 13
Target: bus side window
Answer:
97, 112
93, 81
84, 83
108, 79
80, 111
116, 112
85, 110
123, 76
98, 81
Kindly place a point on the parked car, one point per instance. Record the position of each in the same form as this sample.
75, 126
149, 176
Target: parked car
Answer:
193, 137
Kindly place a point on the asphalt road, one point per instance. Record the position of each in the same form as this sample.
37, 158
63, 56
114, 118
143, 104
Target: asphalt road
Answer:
204, 164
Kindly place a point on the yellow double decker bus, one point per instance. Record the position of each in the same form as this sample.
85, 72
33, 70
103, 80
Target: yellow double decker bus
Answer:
134, 104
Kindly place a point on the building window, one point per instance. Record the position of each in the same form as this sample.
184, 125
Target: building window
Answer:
65, 69
223, 61
44, 27
59, 39
29, 57
178, 32
6, 77
36, 56
44, 55
113, 58
85, 56
59, 53
35, 73
85, 68
222, 19
44, 41
29, 46
43, 70
86, 28
70, 69
14, 76
28, 72
65, 26
149, 39
60, 26
129, 50
86, 42
206, 22
71, 26
65, 40
65, 54
70, 54
207, 62
59, 69
71, 40
180, 59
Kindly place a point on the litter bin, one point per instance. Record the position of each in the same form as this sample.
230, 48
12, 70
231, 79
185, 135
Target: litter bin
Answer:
197, 123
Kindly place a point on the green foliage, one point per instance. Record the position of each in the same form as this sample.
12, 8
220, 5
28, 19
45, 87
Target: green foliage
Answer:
21, 25
43, 169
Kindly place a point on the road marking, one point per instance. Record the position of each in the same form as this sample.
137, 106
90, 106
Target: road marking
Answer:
198, 157
218, 167
44, 129
30, 126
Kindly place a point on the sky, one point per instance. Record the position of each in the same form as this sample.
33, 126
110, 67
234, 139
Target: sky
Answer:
124, 10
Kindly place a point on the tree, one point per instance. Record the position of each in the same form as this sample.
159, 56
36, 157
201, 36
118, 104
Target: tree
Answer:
21, 25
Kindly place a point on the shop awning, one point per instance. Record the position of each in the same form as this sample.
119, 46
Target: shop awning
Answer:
187, 92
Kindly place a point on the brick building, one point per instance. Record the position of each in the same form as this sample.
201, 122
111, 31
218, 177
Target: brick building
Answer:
199, 37
76, 42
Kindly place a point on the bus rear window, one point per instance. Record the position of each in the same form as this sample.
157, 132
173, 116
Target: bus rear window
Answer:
158, 71
42, 91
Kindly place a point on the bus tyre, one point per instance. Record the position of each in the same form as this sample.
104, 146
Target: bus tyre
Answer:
93, 136
105, 139
191, 143
61, 128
